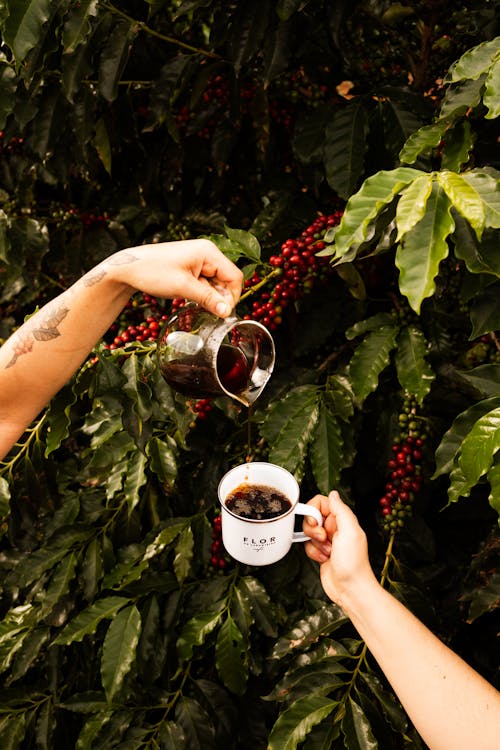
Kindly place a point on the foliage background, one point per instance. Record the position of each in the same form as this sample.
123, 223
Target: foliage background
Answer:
122, 624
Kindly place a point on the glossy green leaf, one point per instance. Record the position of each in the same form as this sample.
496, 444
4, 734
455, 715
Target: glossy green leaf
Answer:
92, 569
320, 676
135, 479
491, 98
364, 206
114, 57
8, 88
263, 609
485, 378
91, 729
165, 538
231, 656
414, 372
86, 621
487, 188
59, 419
373, 323
281, 412
241, 612
464, 198
493, 477
344, 148
24, 26
12, 730
119, 650
485, 311
248, 33
195, 632
172, 736
307, 630
325, 452
309, 134
370, 358
480, 446
358, 734
102, 144
458, 146
294, 724
475, 62
59, 584
424, 141
248, 242
422, 250
4, 497
388, 701
453, 438
412, 204
461, 97
184, 551
77, 24
195, 723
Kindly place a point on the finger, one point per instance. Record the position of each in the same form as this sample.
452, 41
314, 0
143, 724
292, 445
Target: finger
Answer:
316, 553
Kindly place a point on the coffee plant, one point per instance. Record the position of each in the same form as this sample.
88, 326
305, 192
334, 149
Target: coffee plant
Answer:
346, 157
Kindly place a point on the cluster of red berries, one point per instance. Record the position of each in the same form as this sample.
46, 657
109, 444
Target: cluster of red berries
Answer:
218, 559
12, 146
484, 350
149, 316
404, 481
298, 269
72, 217
201, 408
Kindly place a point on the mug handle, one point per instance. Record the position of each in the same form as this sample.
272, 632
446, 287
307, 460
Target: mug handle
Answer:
306, 510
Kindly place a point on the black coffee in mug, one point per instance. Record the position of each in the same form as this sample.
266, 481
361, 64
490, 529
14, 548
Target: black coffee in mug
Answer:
257, 502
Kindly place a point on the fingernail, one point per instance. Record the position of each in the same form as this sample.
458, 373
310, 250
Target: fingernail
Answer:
221, 308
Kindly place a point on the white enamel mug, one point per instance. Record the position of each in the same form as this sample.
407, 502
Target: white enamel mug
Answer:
262, 541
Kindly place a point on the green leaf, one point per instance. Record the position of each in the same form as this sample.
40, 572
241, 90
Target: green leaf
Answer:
475, 61
458, 146
135, 478
102, 144
370, 358
4, 498
119, 650
295, 723
114, 57
488, 190
491, 98
414, 372
8, 89
454, 437
480, 446
263, 609
24, 26
58, 417
86, 622
195, 723
77, 25
325, 452
286, 8
248, 242
389, 703
485, 378
322, 676
308, 629
195, 632
163, 458
12, 730
289, 427
424, 140
356, 728
422, 250
464, 198
59, 584
231, 656
364, 206
485, 311
493, 477
165, 538
248, 32
183, 554
460, 98
412, 204
344, 148
309, 134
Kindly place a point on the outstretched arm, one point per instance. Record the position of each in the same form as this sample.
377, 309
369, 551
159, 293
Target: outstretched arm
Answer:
39, 358
450, 704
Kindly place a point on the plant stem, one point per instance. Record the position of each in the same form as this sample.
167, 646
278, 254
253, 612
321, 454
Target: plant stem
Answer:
164, 37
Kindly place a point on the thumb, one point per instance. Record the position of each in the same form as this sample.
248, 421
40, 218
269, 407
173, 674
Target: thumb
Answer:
216, 299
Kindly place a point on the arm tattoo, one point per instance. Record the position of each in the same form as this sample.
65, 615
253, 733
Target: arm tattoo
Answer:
99, 272
41, 328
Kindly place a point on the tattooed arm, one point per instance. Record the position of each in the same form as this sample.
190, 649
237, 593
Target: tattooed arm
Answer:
39, 358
